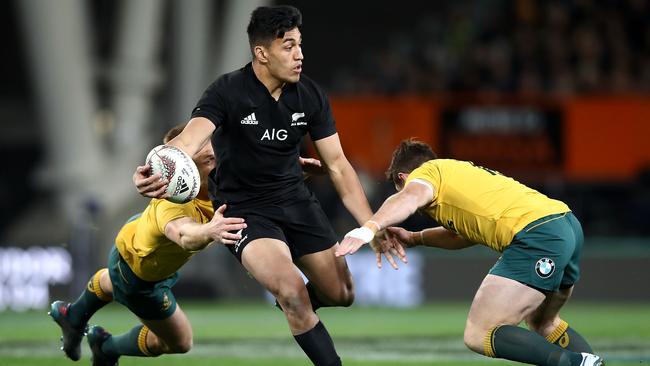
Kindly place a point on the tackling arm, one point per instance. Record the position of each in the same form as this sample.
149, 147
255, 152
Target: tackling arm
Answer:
442, 238
401, 205
395, 209
188, 234
438, 237
193, 236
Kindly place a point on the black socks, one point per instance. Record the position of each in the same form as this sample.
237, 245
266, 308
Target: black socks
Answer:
318, 346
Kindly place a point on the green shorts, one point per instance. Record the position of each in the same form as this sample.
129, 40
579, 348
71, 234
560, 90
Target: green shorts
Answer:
148, 300
545, 254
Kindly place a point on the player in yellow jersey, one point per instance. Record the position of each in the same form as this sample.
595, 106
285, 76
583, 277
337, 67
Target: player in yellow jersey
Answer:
142, 268
539, 238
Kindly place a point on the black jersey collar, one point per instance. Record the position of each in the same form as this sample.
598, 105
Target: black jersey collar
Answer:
258, 93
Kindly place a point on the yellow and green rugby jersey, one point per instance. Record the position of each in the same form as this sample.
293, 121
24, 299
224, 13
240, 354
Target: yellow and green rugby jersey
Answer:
143, 244
480, 204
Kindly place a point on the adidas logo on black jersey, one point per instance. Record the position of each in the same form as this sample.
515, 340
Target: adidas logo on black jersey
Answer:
249, 120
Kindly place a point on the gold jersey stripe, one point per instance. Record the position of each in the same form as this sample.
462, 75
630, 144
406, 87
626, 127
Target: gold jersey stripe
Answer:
546, 222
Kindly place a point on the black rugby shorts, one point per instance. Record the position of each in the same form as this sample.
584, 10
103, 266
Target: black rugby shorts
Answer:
299, 223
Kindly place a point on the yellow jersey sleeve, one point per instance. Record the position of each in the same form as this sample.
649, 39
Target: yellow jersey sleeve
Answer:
167, 211
143, 244
427, 174
480, 204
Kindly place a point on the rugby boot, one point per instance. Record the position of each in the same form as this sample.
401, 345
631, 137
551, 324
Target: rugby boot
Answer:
96, 337
591, 360
71, 336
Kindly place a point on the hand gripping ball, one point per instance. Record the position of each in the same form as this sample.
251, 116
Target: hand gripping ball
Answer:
179, 169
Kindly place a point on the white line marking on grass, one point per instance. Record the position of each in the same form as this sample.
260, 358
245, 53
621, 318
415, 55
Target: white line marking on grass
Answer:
414, 349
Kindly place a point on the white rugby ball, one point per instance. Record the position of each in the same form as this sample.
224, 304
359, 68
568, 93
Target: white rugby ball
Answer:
179, 169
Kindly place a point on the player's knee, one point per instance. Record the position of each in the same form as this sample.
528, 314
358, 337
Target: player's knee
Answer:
345, 295
293, 299
347, 299
181, 345
473, 339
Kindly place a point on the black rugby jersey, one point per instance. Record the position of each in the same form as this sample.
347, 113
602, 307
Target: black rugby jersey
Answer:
257, 140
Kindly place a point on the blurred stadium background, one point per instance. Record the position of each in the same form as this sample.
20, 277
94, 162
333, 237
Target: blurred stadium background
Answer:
554, 93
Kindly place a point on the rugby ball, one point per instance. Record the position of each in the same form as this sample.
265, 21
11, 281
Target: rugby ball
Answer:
179, 169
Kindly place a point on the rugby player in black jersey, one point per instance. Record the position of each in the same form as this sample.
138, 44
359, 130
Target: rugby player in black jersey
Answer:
142, 269
255, 118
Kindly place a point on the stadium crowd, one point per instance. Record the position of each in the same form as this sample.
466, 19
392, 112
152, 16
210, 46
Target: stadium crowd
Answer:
528, 46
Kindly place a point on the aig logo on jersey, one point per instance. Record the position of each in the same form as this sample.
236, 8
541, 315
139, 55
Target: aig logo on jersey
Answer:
545, 267
271, 134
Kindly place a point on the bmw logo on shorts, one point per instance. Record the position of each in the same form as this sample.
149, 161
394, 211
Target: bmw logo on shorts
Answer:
545, 267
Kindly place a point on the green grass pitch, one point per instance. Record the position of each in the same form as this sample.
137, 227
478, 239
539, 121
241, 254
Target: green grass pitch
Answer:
257, 334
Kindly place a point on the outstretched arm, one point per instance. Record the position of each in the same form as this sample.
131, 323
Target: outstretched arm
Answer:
438, 237
403, 204
192, 236
347, 184
394, 210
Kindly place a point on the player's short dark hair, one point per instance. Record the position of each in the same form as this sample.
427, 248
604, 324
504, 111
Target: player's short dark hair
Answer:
408, 156
270, 22
173, 132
